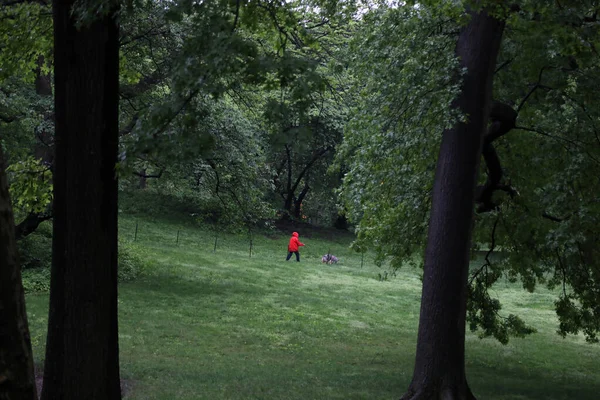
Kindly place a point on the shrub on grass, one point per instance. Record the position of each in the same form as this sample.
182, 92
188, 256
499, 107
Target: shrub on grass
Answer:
36, 280
130, 263
35, 250
36, 255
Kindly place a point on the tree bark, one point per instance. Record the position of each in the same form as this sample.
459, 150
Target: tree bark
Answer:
82, 355
17, 380
439, 371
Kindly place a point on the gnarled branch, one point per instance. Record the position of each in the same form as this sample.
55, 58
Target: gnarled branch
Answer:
502, 119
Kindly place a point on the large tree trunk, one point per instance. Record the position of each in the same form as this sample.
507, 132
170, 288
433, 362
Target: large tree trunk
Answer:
17, 379
82, 355
440, 364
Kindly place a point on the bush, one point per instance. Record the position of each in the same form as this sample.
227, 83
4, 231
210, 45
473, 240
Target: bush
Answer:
130, 263
35, 250
36, 280
36, 255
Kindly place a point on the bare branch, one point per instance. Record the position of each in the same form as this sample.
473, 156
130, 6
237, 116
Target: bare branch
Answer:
503, 65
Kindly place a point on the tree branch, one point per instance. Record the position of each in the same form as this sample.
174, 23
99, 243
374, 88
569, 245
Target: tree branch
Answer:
487, 255
582, 146
503, 119
314, 158
554, 218
31, 223
504, 64
237, 15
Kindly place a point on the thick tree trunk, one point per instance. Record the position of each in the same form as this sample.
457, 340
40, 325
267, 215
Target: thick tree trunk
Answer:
440, 367
82, 355
17, 381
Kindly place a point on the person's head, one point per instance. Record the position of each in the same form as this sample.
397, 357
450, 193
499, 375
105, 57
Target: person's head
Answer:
295, 234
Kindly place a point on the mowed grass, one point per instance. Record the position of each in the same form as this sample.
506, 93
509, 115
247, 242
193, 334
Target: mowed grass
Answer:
204, 325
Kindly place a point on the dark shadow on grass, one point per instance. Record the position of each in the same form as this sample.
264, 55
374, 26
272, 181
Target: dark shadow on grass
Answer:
164, 285
515, 382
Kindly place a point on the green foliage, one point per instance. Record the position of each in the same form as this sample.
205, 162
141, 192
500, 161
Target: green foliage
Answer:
245, 79
550, 229
22, 113
131, 264
483, 311
25, 36
30, 185
546, 72
405, 78
35, 250
229, 104
35, 254
36, 280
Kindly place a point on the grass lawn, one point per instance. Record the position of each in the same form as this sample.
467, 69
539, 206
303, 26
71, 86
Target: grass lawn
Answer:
204, 325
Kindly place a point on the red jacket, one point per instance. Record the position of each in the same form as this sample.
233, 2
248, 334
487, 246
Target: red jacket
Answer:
294, 242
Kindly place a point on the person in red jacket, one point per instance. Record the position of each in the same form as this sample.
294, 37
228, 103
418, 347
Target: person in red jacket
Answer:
295, 243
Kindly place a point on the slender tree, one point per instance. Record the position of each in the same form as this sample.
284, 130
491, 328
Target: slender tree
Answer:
16, 360
440, 367
82, 359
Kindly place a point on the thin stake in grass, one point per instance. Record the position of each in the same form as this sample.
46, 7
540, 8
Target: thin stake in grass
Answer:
177, 241
250, 234
136, 230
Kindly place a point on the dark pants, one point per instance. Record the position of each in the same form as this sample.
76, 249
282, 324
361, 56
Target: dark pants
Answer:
297, 253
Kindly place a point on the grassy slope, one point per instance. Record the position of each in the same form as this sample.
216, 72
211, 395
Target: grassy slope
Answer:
200, 325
